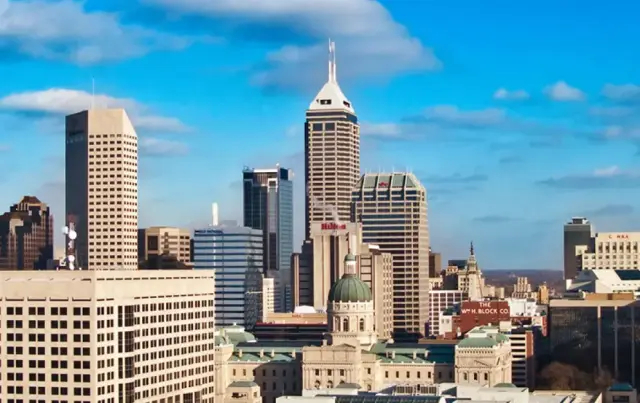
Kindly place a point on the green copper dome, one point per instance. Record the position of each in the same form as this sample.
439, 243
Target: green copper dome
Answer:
349, 258
350, 289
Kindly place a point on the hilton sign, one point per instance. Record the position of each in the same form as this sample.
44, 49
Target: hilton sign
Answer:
332, 226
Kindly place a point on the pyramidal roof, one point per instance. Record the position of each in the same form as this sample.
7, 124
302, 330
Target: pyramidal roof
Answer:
331, 96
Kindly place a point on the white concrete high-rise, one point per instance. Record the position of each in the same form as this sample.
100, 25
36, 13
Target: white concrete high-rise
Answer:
332, 153
102, 188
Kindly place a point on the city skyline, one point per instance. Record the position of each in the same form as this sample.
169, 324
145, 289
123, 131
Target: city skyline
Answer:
493, 126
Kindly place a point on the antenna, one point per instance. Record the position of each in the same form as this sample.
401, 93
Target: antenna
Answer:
332, 61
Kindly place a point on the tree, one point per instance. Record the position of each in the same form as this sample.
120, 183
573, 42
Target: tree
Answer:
561, 376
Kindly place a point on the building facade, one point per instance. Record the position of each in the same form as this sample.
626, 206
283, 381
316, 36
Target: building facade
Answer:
107, 336
320, 265
332, 153
601, 333
26, 236
268, 206
577, 233
235, 253
352, 354
101, 188
610, 251
157, 241
392, 209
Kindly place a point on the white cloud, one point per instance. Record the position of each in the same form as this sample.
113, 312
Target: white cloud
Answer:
369, 41
382, 130
608, 171
561, 91
61, 101
475, 118
160, 147
624, 92
504, 94
64, 30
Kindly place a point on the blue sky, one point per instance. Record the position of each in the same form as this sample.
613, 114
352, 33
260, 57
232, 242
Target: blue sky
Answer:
514, 115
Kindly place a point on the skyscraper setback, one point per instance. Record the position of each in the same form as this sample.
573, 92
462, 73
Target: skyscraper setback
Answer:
102, 188
332, 153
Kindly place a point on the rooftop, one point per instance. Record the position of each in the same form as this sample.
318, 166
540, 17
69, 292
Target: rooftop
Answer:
331, 97
395, 180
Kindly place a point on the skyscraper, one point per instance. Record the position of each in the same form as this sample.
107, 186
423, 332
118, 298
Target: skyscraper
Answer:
102, 188
26, 236
392, 208
577, 232
235, 253
268, 206
332, 153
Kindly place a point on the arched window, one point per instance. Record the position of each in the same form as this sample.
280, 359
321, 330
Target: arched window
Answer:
336, 324
362, 324
317, 385
329, 384
345, 325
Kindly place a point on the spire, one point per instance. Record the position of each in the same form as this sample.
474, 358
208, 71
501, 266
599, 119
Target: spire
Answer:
332, 62
471, 251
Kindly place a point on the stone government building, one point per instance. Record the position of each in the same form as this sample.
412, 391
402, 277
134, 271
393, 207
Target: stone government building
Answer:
251, 370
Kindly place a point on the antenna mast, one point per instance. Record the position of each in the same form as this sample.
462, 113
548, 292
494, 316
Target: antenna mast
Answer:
332, 61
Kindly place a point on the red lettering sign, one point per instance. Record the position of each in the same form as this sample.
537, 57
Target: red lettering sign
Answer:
620, 236
332, 226
383, 184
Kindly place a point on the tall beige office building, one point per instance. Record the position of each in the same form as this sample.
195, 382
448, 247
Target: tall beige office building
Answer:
102, 188
392, 208
332, 153
107, 336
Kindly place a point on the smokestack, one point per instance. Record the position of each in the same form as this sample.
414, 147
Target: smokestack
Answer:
214, 214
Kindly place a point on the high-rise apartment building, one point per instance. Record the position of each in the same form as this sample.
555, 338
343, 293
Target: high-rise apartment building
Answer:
235, 253
332, 153
158, 241
393, 211
577, 233
26, 236
107, 336
102, 188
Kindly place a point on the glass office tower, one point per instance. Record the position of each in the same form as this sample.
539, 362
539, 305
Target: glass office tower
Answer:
268, 206
235, 253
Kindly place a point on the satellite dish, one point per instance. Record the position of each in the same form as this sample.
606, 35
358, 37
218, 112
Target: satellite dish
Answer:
72, 235
65, 230
71, 258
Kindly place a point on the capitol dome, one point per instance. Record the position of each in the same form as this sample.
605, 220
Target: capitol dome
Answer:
350, 289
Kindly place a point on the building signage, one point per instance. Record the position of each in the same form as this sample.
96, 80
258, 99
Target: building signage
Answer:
383, 184
485, 308
485, 311
332, 226
619, 236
